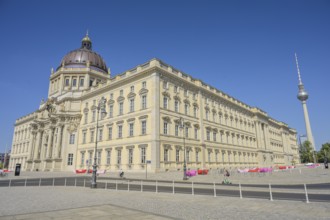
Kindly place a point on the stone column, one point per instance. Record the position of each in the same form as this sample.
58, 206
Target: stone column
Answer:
37, 144
59, 141
201, 125
154, 123
32, 144
50, 143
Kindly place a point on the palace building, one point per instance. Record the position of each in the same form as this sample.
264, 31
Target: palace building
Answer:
155, 114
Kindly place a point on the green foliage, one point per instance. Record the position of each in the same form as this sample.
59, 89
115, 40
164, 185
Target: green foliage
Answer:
324, 152
306, 152
1, 165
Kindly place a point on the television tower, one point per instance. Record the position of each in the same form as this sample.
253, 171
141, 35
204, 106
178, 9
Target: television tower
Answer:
303, 96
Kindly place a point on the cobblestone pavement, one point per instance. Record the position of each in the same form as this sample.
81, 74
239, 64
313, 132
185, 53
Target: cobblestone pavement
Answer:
79, 203
85, 203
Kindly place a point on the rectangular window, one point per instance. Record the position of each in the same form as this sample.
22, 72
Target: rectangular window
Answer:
195, 112
209, 156
176, 130
67, 81
100, 134
132, 88
144, 84
81, 82
144, 102
99, 156
118, 157
196, 133
186, 109
176, 106
121, 108
74, 82
70, 159
86, 118
93, 116
165, 127
165, 85
92, 136
111, 111
165, 155
216, 157
186, 93
130, 156
197, 156
143, 155
110, 133
82, 161
108, 157
187, 132
84, 137
177, 155
175, 89
120, 131
214, 136
187, 156
131, 129
72, 137
208, 135
131, 105
165, 102
143, 127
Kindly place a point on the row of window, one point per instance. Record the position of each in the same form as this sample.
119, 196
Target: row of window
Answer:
224, 137
21, 135
224, 120
212, 157
110, 109
20, 148
88, 160
131, 132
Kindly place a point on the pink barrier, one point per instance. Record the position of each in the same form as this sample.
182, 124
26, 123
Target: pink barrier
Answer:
191, 173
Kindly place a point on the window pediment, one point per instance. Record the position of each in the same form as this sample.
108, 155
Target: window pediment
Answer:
130, 120
143, 91
167, 119
120, 98
120, 122
131, 95
167, 94
111, 101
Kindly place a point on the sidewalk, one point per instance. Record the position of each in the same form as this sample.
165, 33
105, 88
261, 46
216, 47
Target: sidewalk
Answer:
83, 203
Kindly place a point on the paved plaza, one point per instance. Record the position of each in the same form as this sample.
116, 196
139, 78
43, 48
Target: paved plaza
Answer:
85, 203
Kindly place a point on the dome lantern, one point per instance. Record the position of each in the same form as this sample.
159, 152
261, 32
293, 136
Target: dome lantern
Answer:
86, 42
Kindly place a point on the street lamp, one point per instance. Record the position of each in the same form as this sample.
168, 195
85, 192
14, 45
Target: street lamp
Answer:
100, 106
184, 149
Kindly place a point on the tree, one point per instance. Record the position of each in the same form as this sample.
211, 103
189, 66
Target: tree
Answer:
306, 152
324, 152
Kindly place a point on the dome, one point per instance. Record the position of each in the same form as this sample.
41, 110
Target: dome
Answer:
83, 56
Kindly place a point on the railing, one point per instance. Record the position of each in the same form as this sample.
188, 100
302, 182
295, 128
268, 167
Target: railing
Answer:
297, 192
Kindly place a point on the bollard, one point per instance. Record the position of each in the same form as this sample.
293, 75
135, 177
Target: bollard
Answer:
84, 183
192, 188
9, 183
270, 192
25, 182
65, 182
156, 186
53, 182
128, 185
240, 191
141, 186
173, 187
215, 190
116, 185
106, 185
39, 182
307, 200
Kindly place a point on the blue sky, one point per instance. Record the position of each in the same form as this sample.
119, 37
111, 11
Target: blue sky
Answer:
244, 48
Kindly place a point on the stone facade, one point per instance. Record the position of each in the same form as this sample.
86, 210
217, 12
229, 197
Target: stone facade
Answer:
144, 106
